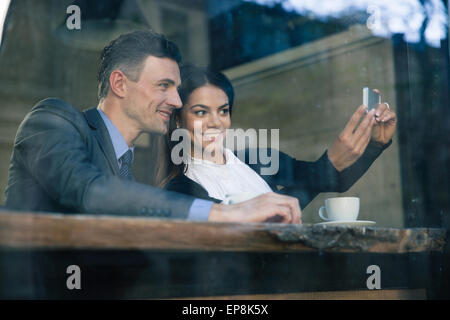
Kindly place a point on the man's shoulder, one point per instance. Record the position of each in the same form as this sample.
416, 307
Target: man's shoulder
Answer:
55, 112
56, 106
52, 114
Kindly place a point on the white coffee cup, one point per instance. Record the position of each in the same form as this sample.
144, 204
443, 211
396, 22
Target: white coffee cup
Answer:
340, 209
234, 198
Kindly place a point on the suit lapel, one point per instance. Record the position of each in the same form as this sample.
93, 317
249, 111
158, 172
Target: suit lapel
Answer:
102, 135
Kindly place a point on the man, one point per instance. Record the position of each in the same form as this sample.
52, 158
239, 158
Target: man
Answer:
69, 161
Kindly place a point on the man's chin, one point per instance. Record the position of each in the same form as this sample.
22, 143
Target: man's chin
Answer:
158, 131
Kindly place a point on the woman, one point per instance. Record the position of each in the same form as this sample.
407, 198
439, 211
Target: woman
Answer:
214, 171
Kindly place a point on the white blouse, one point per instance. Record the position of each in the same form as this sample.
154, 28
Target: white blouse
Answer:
221, 179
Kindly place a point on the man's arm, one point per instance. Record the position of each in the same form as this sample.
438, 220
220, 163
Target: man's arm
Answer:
54, 148
269, 207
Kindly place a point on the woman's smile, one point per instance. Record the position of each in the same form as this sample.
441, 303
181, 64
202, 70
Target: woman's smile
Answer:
212, 135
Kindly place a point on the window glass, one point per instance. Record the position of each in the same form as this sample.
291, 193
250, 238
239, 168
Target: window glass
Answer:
298, 66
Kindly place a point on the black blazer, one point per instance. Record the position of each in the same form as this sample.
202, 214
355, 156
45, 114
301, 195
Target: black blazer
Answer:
64, 161
301, 179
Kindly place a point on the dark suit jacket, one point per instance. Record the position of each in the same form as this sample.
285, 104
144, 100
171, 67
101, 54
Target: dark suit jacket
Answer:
63, 161
301, 179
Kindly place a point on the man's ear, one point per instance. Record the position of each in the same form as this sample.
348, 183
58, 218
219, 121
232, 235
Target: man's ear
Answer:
117, 83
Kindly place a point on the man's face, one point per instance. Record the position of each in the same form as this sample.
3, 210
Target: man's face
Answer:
150, 101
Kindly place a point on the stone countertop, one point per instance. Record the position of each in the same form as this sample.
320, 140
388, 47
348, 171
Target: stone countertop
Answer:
81, 231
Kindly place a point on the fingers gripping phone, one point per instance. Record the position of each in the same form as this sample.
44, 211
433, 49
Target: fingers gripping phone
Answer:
371, 99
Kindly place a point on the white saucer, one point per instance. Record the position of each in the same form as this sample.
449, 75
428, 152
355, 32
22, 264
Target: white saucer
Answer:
357, 223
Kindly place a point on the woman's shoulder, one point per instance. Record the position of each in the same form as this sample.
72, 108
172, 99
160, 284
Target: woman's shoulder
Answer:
183, 184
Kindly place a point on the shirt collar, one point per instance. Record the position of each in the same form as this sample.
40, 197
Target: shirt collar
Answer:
118, 141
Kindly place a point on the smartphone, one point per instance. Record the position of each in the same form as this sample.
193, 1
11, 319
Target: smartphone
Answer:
371, 99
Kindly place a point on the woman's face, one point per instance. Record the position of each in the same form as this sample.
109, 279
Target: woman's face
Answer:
206, 108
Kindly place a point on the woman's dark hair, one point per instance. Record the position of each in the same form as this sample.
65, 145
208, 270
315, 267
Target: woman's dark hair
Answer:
128, 53
192, 78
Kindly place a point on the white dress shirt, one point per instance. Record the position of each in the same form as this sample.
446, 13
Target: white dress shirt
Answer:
222, 179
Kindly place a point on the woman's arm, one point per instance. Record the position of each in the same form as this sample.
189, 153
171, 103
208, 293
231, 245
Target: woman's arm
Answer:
305, 180
348, 158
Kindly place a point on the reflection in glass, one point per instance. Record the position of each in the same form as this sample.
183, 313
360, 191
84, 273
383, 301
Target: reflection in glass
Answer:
386, 17
4, 5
